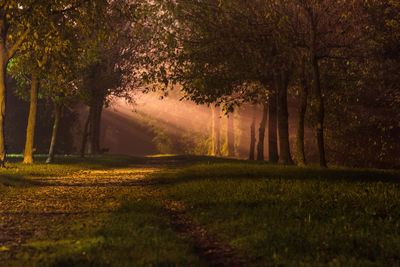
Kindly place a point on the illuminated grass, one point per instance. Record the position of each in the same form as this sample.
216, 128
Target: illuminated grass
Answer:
293, 216
136, 234
271, 214
160, 155
80, 212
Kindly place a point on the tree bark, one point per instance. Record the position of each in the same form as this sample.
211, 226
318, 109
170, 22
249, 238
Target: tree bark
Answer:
272, 129
320, 112
57, 115
300, 155
5, 55
94, 129
253, 134
85, 135
319, 103
30, 130
3, 67
90, 130
261, 132
231, 135
281, 84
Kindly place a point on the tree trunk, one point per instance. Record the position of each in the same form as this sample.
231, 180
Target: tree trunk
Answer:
272, 129
212, 148
90, 131
281, 84
3, 67
300, 155
253, 134
320, 112
216, 132
319, 103
57, 115
95, 124
261, 132
231, 135
85, 135
30, 130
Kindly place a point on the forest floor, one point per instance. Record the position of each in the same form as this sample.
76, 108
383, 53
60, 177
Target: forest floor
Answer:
195, 211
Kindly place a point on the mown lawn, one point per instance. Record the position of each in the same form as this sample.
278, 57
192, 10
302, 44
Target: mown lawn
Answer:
295, 216
85, 212
108, 211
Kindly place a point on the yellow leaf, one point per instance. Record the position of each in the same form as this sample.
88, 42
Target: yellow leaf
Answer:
4, 248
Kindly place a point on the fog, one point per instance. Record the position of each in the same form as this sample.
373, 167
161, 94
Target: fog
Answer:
148, 125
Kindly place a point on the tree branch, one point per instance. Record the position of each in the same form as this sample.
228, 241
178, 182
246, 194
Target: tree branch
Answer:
18, 43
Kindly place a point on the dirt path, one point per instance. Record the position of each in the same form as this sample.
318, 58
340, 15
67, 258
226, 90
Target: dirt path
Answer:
207, 246
32, 211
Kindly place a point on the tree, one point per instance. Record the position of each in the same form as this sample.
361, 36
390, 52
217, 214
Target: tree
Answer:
261, 132
17, 22
302, 109
13, 30
216, 131
231, 134
253, 133
327, 29
225, 59
281, 84
47, 56
111, 64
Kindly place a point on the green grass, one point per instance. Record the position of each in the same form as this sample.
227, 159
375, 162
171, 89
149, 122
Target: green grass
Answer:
294, 216
271, 214
84, 226
17, 174
137, 234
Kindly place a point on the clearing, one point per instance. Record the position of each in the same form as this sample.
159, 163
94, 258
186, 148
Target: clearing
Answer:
196, 211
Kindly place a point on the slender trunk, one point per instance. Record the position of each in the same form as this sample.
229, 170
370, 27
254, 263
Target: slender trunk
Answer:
217, 131
231, 135
300, 155
319, 103
320, 113
3, 66
212, 148
30, 130
85, 135
253, 134
90, 131
57, 115
95, 128
215, 128
281, 84
272, 129
261, 132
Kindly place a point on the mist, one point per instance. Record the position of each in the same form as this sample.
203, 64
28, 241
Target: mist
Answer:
155, 125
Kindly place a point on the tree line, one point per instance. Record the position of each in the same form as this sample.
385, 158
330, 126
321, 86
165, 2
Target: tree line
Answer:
339, 60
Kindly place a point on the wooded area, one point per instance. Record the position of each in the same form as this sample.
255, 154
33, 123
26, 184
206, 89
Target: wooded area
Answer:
337, 62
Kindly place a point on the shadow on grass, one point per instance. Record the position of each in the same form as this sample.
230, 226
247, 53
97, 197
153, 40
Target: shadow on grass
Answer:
17, 181
229, 169
184, 168
138, 234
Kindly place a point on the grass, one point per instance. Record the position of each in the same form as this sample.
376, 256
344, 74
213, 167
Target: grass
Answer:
295, 216
271, 214
59, 224
137, 233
